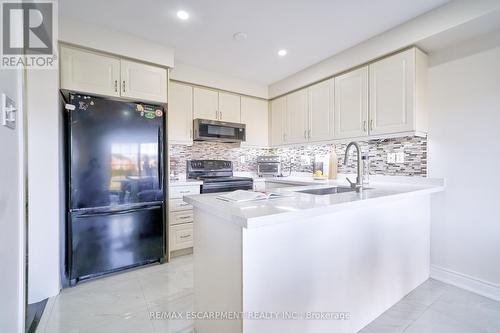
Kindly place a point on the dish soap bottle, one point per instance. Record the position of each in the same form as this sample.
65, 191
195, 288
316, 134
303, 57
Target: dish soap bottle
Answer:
333, 164
366, 169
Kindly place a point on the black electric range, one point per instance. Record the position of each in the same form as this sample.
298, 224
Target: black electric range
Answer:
217, 176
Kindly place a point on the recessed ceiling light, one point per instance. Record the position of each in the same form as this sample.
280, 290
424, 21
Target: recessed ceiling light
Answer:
282, 53
183, 15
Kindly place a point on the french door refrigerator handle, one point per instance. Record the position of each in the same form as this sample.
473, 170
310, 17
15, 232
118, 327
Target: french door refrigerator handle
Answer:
160, 157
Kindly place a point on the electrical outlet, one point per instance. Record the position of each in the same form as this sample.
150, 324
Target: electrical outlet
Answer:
305, 160
8, 112
400, 157
391, 157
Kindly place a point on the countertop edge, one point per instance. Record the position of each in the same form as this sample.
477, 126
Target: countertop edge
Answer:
286, 217
262, 221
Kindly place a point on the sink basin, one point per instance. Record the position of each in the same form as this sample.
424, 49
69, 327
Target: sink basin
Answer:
328, 190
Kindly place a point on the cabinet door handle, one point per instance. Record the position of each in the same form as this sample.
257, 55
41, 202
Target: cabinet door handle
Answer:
220, 115
364, 125
184, 217
184, 191
309, 134
305, 134
123, 86
371, 124
190, 133
185, 236
116, 85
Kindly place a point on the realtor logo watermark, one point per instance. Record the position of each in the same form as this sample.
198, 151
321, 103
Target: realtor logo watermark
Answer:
28, 34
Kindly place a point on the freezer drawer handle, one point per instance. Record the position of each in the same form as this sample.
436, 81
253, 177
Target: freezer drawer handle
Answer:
119, 212
186, 236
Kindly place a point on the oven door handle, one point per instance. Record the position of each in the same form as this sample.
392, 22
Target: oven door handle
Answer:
222, 187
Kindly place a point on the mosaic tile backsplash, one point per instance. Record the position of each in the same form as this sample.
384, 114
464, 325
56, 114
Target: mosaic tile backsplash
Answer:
300, 158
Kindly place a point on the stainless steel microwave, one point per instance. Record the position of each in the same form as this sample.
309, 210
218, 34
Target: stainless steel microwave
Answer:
219, 131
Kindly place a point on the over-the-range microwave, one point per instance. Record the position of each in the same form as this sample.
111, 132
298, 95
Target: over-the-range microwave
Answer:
219, 131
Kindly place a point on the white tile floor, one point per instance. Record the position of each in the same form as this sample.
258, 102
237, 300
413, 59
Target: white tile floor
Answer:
122, 303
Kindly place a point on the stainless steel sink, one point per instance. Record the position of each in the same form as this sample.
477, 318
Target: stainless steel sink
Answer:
329, 190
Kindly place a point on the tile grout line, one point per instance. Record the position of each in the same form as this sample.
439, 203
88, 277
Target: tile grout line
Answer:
49, 314
147, 306
423, 312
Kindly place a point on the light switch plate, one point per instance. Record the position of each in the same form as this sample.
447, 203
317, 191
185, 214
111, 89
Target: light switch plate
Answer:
242, 159
391, 157
8, 111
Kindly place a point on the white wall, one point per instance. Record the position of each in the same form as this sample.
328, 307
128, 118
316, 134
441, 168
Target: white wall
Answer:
11, 212
95, 37
464, 147
411, 32
192, 74
43, 182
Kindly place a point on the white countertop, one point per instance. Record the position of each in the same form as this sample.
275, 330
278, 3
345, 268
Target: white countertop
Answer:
182, 181
297, 205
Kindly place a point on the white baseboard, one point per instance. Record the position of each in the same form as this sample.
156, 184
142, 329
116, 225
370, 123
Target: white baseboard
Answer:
478, 286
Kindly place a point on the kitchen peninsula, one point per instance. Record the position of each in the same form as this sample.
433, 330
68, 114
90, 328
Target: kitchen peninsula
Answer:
347, 255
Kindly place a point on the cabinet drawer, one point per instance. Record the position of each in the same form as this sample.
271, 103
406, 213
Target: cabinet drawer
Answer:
177, 192
181, 236
181, 217
178, 205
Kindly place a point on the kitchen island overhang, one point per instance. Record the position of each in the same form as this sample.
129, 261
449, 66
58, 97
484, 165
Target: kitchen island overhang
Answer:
310, 264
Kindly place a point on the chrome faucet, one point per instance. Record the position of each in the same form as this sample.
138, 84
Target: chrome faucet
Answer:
358, 185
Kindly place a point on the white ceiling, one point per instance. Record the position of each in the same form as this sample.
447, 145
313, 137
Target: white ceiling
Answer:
311, 30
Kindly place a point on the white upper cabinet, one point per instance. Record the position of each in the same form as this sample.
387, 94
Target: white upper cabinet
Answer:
296, 117
229, 107
321, 119
143, 82
89, 72
96, 73
393, 93
351, 104
180, 113
206, 104
255, 115
278, 119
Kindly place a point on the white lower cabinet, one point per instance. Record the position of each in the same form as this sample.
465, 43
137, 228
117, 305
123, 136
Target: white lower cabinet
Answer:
181, 236
181, 217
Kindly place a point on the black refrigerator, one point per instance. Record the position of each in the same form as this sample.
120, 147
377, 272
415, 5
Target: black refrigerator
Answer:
116, 186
